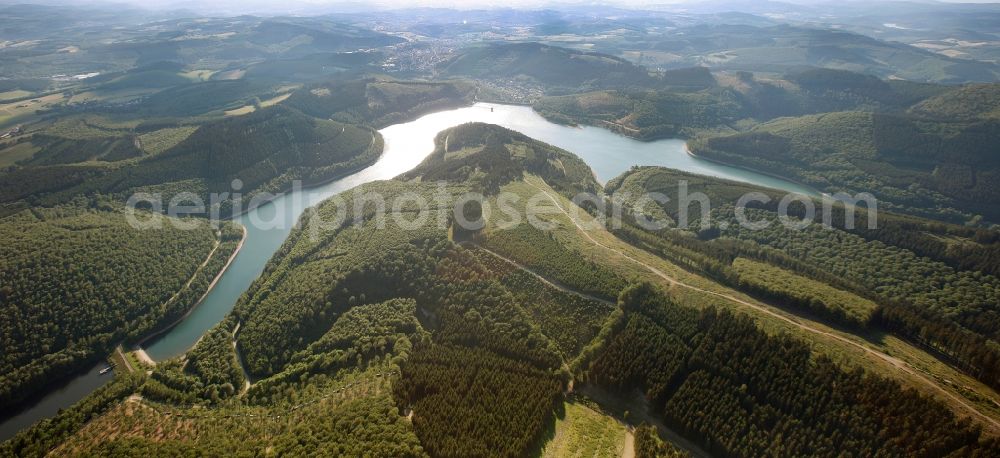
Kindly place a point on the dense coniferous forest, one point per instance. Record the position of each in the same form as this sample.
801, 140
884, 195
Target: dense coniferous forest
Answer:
361, 336
571, 320
366, 335
920, 292
470, 402
535, 248
720, 380
950, 164
371, 337
125, 282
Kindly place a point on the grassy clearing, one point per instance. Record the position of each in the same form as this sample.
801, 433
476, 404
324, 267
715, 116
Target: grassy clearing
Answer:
633, 409
230, 74
246, 109
161, 140
585, 431
460, 153
133, 359
198, 75
275, 100
18, 152
229, 429
15, 94
120, 361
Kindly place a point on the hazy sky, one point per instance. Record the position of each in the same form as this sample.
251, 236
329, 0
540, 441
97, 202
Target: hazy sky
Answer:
307, 7
463, 3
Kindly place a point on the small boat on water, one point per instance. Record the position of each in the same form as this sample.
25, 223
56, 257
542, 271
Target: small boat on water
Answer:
107, 369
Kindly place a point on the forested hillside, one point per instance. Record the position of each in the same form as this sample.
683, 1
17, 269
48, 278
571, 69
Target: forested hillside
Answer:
487, 157
558, 68
378, 102
739, 392
729, 102
266, 150
94, 139
964, 103
741, 44
922, 149
77, 279
939, 169
373, 335
315, 133
923, 290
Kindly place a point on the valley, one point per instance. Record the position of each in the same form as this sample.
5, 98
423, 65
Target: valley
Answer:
574, 235
721, 229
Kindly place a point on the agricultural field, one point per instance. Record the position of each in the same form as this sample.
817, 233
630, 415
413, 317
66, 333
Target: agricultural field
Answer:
12, 113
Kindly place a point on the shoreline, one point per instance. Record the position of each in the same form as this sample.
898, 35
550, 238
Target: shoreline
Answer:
751, 169
143, 357
239, 246
285, 190
138, 346
627, 131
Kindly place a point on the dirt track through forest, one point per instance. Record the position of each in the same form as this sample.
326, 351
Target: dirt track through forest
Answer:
896, 362
541, 278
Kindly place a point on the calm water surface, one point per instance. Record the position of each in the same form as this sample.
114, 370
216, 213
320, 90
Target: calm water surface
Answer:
608, 153
60, 398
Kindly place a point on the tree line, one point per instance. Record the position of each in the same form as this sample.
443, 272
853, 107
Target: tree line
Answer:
77, 279
737, 391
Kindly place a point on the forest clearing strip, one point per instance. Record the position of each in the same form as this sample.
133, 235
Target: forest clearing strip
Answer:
539, 277
239, 361
124, 360
674, 438
896, 362
359, 387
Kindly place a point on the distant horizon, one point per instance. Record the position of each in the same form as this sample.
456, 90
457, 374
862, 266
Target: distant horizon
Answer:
330, 6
